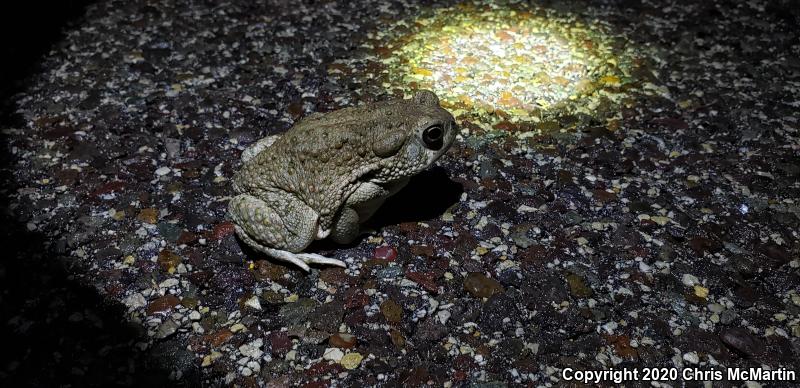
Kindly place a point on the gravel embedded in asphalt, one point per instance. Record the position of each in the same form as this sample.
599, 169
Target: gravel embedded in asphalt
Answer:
652, 223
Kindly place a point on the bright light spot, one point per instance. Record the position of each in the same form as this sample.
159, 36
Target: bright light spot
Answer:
514, 67
528, 63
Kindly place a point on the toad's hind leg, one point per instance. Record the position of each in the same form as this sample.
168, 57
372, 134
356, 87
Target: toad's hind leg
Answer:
279, 226
301, 260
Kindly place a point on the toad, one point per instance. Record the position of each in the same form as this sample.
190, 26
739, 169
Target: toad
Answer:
330, 172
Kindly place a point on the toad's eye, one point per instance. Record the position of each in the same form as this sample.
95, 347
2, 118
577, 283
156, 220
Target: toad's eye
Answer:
433, 137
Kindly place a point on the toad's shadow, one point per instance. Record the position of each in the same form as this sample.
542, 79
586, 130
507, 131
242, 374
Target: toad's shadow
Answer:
427, 196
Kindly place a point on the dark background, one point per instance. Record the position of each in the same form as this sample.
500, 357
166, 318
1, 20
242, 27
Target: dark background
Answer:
49, 322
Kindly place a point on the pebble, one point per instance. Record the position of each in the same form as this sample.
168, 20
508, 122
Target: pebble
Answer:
701, 291
297, 312
254, 366
691, 357
168, 260
169, 231
173, 147
389, 272
162, 305
578, 287
135, 301
189, 302
209, 359
716, 308
291, 298
443, 316
280, 342
252, 349
480, 286
424, 279
351, 360
660, 220
223, 230
168, 283
392, 311
689, 280
218, 338
253, 303
742, 340
149, 216
397, 338
333, 354
342, 340
161, 171
385, 252
326, 317
727, 317
333, 276
166, 329
521, 239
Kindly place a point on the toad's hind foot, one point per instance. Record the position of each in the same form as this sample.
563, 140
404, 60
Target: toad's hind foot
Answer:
313, 258
302, 260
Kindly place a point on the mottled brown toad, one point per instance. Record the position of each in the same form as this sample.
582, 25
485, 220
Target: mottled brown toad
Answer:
330, 172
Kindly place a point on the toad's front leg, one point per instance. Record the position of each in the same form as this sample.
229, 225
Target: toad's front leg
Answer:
279, 226
360, 206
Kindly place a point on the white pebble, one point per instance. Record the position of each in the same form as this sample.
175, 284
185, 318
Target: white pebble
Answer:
171, 282
443, 316
135, 301
254, 366
252, 349
689, 279
254, 303
333, 354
